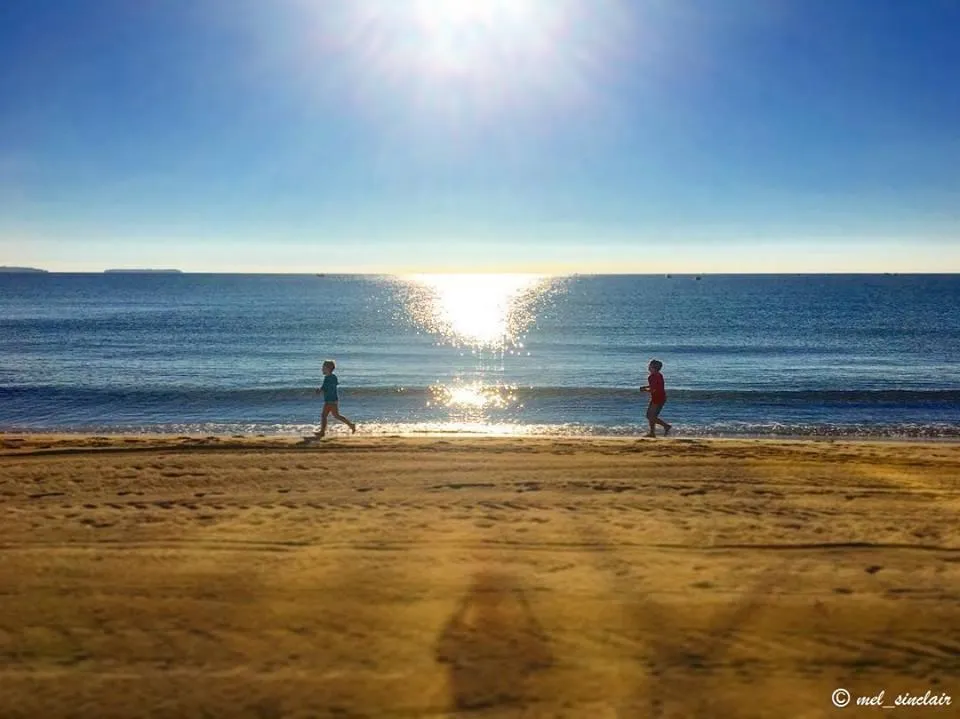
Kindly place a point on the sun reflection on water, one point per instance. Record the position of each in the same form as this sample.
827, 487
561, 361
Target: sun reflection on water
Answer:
478, 311
479, 321
475, 395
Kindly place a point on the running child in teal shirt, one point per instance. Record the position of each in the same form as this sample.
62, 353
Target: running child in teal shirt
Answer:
331, 399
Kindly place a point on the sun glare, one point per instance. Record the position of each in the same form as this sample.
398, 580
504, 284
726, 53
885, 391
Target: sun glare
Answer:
445, 15
473, 396
480, 311
484, 319
472, 58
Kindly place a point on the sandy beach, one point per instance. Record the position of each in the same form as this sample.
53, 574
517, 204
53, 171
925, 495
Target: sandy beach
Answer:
483, 577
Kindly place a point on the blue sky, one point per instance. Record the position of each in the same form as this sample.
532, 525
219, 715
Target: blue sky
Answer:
491, 135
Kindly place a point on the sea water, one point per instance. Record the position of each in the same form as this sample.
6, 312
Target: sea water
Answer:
784, 355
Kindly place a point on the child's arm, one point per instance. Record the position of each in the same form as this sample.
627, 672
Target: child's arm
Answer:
645, 388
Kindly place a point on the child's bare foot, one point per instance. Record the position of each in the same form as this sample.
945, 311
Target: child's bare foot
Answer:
319, 435
650, 434
667, 429
353, 428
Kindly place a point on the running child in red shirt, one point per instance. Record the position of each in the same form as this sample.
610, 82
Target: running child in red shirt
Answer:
658, 397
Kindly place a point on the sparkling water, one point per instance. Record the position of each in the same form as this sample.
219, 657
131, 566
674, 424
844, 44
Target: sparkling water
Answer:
806, 355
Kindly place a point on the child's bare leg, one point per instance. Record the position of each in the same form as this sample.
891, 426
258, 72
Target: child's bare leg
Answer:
652, 419
351, 425
323, 422
666, 426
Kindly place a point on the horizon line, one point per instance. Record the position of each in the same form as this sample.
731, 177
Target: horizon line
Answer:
407, 272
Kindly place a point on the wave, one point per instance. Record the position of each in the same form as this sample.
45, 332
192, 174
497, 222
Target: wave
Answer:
270, 395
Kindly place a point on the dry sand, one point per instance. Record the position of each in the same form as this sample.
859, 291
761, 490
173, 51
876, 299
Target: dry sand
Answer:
430, 577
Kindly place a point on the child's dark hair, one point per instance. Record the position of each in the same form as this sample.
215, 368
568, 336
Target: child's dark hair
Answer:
656, 364
330, 363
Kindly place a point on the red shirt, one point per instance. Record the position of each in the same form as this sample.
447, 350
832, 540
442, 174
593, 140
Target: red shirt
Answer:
658, 394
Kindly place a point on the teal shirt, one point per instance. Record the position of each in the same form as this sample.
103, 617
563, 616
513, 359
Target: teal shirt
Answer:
329, 388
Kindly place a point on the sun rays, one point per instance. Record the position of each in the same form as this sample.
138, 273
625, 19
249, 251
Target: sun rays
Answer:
479, 57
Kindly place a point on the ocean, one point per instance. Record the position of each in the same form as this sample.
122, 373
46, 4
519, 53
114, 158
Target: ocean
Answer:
744, 355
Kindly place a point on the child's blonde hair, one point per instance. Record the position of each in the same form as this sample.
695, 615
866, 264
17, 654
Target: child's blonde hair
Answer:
329, 363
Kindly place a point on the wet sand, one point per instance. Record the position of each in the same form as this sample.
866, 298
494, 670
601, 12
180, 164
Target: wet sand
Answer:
432, 577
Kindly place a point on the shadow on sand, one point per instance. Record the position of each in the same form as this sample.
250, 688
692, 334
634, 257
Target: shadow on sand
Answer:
492, 644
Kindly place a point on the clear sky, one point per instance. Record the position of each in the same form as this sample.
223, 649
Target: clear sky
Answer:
483, 135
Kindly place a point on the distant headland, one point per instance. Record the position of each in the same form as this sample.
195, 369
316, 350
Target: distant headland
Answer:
141, 272
32, 270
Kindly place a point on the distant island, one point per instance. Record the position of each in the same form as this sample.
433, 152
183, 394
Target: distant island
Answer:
32, 270
141, 272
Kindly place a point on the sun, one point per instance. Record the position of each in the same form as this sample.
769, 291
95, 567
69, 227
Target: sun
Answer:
481, 39
447, 15
455, 64
447, 68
